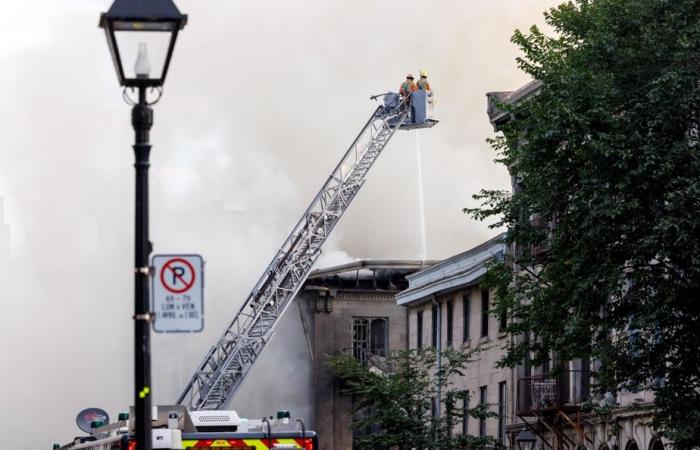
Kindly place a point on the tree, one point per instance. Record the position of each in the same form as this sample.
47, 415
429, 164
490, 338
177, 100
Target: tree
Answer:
399, 403
608, 158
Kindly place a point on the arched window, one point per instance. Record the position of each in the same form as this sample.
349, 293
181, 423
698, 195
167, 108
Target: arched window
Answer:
656, 444
631, 445
370, 337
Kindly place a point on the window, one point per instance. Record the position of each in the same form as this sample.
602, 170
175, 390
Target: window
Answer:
547, 364
378, 337
502, 321
435, 327
450, 322
369, 337
465, 412
484, 313
482, 401
450, 409
362, 414
465, 317
419, 329
656, 444
502, 412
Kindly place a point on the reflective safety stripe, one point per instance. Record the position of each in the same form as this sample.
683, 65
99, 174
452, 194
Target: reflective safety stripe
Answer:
243, 444
257, 444
221, 443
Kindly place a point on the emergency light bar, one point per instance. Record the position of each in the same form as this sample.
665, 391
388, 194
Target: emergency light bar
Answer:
215, 419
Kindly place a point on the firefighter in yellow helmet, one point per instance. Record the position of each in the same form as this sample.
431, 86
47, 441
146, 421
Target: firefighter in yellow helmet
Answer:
423, 83
408, 86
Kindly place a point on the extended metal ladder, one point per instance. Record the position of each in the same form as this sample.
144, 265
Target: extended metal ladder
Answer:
225, 366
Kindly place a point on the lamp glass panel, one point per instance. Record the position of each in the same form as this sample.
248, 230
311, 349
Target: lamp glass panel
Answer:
157, 44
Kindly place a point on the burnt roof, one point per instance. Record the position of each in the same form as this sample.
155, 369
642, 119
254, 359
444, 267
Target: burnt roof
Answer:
375, 275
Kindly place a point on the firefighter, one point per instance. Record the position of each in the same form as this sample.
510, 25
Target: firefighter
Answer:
408, 86
423, 83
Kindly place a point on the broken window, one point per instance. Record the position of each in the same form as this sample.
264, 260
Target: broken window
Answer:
369, 337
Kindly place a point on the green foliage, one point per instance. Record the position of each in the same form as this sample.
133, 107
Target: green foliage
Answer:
400, 401
608, 158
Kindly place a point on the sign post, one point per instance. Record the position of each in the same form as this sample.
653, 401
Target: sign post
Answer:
178, 293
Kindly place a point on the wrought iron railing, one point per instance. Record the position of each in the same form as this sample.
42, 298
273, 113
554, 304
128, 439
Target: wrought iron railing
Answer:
547, 392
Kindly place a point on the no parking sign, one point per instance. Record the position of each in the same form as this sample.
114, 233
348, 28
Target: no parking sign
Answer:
178, 293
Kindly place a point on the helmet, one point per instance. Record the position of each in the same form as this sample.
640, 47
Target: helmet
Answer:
410, 75
423, 73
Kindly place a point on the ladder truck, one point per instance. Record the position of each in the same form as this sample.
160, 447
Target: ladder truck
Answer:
225, 366
199, 419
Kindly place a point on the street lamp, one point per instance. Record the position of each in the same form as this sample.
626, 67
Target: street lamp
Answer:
142, 35
526, 440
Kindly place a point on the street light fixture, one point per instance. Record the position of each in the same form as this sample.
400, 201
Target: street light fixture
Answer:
526, 440
142, 33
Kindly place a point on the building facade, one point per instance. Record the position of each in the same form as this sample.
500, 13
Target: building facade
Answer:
352, 309
448, 308
548, 400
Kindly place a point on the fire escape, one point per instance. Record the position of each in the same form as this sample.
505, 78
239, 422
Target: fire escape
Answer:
551, 403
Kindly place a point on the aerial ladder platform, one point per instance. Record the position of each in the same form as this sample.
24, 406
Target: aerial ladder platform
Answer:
227, 363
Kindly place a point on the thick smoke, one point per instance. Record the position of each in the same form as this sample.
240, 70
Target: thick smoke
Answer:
262, 98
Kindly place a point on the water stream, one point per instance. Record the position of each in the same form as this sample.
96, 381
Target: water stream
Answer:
421, 201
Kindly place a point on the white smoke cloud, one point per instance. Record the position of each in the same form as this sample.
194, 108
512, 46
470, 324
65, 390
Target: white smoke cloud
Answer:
262, 99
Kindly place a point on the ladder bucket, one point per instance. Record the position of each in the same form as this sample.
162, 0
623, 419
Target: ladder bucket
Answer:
421, 111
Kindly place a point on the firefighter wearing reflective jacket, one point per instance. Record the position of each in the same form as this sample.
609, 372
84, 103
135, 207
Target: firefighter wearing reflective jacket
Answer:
408, 86
423, 83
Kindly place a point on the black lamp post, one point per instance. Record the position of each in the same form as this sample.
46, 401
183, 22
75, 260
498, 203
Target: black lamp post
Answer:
525, 440
134, 28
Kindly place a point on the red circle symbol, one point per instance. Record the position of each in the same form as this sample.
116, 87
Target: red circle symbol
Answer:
177, 275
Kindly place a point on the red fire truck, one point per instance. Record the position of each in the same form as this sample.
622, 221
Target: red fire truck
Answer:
175, 428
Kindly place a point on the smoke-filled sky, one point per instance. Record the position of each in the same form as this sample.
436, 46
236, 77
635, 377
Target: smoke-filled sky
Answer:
262, 99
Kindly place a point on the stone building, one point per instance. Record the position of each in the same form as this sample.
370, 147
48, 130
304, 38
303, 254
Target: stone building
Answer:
351, 308
547, 405
447, 307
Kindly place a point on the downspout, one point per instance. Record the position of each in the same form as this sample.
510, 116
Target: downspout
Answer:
408, 327
438, 350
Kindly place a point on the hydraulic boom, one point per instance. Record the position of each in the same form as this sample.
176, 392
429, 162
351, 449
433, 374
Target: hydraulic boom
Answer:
225, 366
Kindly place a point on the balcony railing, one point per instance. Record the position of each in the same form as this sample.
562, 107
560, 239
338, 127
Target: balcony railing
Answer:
539, 394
